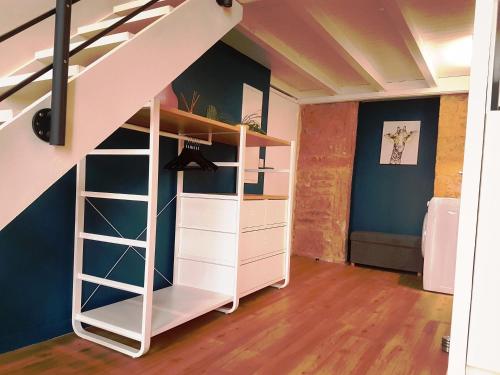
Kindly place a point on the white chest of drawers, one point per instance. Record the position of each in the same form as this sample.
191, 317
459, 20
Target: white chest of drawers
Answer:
227, 245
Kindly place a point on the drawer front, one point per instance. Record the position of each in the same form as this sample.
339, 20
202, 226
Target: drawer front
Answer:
261, 242
211, 246
259, 274
253, 214
276, 211
209, 214
219, 279
276, 240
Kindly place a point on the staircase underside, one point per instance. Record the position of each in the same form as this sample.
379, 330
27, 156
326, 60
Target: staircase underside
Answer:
104, 96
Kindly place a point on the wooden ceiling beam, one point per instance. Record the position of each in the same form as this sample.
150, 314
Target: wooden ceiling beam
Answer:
290, 55
326, 29
412, 38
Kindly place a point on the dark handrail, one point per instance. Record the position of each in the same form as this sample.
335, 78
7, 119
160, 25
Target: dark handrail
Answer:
77, 49
30, 23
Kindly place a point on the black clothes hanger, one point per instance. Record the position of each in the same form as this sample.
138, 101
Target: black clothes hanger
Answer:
190, 158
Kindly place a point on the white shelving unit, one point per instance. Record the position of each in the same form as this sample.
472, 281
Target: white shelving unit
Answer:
226, 245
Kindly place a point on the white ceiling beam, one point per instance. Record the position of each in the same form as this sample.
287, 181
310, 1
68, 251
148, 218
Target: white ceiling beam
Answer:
291, 56
449, 85
281, 85
413, 40
327, 29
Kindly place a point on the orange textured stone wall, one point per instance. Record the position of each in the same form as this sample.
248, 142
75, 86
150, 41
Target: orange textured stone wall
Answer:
450, 145
324, 177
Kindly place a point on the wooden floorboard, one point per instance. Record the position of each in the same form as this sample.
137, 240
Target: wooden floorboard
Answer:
332, 319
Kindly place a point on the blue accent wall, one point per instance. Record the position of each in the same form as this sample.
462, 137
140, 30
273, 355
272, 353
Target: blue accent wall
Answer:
36, 249
393, 198
214, 80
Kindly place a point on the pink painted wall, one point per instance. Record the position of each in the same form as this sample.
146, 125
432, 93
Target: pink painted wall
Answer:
327, 143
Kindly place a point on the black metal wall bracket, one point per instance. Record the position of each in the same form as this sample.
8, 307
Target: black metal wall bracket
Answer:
41, 124
225, 3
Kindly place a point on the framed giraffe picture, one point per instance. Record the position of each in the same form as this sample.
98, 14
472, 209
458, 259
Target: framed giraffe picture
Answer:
400, 142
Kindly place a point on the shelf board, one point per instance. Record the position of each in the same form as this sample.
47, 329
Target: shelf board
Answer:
221, 196
267, 170
181, 122
232, 196
172, 306
261, 197
255, 139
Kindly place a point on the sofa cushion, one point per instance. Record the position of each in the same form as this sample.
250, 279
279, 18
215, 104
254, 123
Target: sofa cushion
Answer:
402, 240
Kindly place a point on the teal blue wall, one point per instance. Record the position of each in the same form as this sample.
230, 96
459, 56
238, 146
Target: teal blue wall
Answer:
36, 249
214, 80
393, 198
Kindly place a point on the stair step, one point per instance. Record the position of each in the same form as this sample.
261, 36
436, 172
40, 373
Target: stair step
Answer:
91, 53
111, 283
121, 152
124, 9
6, 115
125, 197
133, 25
38, 87
114, 240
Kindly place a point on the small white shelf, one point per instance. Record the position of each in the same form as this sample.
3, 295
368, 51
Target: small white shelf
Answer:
229, 197
114, 240
172, 306
124, 197
267, 170
227, 164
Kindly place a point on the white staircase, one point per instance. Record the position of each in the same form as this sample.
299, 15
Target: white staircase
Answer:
111, 80
91, 53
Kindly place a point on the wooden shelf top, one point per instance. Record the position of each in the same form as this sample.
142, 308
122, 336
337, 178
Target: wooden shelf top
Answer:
261, 197
180, 122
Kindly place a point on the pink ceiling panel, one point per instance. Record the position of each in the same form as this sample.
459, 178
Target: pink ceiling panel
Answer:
369, 27
284, 22
446, 28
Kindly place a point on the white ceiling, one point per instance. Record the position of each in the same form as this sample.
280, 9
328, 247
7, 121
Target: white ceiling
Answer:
334, 50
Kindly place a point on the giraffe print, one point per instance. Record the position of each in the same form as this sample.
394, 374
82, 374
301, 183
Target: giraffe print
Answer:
399, 138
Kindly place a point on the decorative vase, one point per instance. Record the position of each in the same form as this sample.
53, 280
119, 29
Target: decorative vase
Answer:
168, 99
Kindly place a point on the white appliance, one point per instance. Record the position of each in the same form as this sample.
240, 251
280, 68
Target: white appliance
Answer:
439, 244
